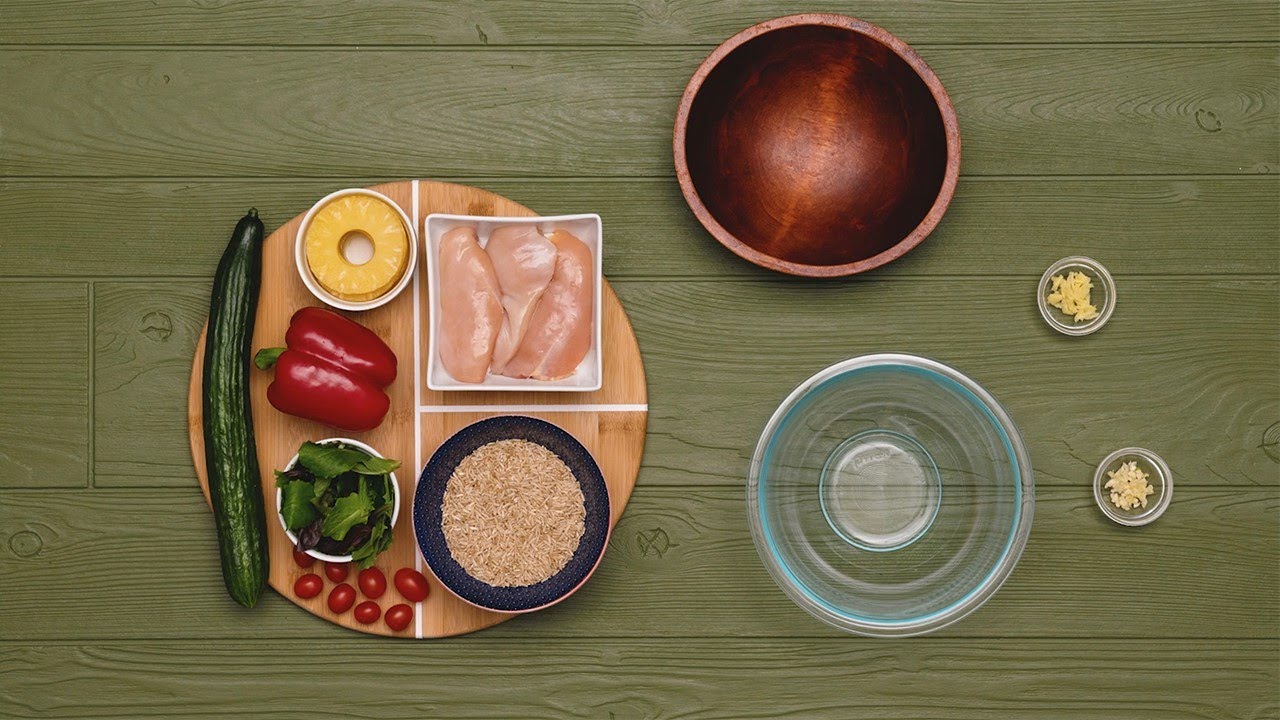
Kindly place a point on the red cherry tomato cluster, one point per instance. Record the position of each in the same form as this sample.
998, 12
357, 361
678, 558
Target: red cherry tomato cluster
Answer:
336, 572
308, 586
411, 584
399, 616
372, 583
341, 598
367, 612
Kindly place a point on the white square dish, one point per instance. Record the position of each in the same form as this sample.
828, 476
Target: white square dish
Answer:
586, 227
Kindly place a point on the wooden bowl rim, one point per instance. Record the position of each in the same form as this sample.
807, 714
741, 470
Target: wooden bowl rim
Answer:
862, 27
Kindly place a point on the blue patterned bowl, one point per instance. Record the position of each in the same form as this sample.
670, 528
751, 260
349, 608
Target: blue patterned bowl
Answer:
429, 498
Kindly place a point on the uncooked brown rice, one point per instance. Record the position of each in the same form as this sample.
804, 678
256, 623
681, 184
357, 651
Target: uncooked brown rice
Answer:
512, 513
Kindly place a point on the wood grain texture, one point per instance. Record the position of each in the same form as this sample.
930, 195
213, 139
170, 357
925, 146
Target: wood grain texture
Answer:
144, 335
680, 562
996, 226
634, 679
1186, 367
513, 22
631, 679
558, 113
44, 385
165, 119
616, 443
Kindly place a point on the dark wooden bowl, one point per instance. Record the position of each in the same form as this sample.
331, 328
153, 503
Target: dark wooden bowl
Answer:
817, 145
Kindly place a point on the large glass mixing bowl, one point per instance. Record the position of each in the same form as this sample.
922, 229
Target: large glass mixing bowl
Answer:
890, 495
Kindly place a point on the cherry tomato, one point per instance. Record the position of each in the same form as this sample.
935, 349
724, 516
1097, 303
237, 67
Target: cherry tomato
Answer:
399, 616
302, 559
341, 598
336, 572
412, 584
367, 612
308, 586
372, 583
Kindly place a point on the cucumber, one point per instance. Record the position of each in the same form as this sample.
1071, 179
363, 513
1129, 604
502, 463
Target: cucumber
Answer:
230, 454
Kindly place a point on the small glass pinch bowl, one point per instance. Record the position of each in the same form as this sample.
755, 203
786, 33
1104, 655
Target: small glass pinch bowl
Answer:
1158, 474
1103, 295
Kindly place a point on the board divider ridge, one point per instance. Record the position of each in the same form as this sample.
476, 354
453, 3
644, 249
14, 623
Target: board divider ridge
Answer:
534, 408
417, 384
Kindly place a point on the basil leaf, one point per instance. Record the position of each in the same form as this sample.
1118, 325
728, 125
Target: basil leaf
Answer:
294, 473
295, 504
329, 461
379, 490
329, 546
310, 535
321, 486
356, 536
380, 513
345, 484
376, 466
347, 512
379, 540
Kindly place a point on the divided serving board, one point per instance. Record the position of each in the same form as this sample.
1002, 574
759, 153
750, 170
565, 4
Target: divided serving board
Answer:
610, 422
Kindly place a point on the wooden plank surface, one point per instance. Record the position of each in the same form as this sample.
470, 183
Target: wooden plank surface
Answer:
569, 113
44, 386
681, 561
628, 679
996, 226
1146, 134
141, 332
590, 22
1186, 366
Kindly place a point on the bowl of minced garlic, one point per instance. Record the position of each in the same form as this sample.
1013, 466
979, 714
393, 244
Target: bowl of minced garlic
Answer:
1076, 295
1133, 486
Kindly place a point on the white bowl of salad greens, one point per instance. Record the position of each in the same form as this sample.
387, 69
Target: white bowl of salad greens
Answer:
338, 500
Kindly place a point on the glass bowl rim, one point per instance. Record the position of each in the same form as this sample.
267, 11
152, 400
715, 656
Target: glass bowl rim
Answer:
1050, 313
1165, 481
822, 609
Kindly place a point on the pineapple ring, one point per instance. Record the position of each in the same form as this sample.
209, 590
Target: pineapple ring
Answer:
334, 225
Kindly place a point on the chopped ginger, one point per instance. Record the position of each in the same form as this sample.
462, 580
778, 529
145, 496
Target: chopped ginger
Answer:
1070, 294
1129, 487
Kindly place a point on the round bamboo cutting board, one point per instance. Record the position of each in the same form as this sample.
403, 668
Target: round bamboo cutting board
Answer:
610, 422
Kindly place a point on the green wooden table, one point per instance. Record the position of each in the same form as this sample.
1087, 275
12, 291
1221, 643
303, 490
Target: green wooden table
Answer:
1145, 134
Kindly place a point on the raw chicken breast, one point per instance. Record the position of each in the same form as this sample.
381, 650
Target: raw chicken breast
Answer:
559, 333
470, 308
524, 261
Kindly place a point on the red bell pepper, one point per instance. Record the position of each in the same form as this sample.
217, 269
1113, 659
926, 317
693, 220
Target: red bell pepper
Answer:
333, 371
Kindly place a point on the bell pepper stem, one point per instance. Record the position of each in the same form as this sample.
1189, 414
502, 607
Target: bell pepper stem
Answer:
267, 357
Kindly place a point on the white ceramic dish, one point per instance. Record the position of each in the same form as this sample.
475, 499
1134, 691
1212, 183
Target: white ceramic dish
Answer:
395, 490
328, 298
587, 228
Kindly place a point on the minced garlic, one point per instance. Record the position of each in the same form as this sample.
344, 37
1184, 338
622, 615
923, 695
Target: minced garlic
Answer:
1129, 487
1070, 294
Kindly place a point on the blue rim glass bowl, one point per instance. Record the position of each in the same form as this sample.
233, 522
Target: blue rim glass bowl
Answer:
890, 495
429, 498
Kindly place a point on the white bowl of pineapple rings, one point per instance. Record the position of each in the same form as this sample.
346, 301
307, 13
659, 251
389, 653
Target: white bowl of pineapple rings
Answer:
356, 249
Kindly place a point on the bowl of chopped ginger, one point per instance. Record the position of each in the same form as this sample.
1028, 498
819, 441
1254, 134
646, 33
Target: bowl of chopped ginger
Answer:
1076, 295
1133, 486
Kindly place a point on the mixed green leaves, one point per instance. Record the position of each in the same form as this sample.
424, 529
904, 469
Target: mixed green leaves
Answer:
339, 501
